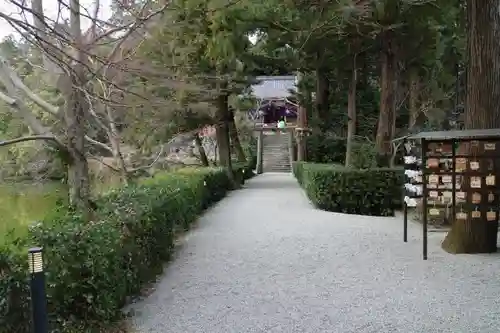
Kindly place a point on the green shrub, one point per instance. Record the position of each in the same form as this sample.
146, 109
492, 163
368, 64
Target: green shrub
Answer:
322, 148
244, 170
349, 190
364, 155
251, 152
91, 268
215, 180
297, 169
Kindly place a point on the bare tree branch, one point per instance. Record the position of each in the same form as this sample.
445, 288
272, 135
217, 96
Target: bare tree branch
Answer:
104, 82
18, 83
98, 144
27, 138
152, 163
13, 84
101, 160
8, 100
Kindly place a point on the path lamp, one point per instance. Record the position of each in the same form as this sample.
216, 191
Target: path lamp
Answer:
38, 295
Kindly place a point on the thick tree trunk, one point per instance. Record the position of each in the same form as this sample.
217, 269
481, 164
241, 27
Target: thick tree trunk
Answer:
322, 94
115, 141
260, 153
413, 98
351, 112
387, 103
235, 139
398, 98
201, 150
78, 170
222, 135
481, 112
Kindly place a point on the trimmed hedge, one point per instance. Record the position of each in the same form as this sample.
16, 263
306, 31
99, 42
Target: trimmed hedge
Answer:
336, 188
92, 268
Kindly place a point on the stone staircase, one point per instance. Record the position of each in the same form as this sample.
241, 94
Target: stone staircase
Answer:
276, 153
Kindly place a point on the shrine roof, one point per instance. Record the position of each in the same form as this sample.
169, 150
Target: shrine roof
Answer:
460, 135
269, 87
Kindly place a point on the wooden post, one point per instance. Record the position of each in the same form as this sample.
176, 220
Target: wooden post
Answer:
302, 123
290, 145
260, 152
425, 194
301, 151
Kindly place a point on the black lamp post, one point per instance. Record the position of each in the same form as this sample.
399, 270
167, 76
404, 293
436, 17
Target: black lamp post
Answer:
38, 294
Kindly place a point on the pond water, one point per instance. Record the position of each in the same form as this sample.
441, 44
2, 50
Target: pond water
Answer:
23, 203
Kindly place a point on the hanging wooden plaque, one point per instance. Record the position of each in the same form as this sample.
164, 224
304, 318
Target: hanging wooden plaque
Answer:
434, 212
491, 165
432, 163
433, 179
489, 146
463, 148
460, 164
476, 198
446, 179
475, 182
446, 148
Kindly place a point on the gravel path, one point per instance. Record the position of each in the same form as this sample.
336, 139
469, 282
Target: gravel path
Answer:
264, 260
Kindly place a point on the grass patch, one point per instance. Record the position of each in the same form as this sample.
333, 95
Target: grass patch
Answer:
22, 204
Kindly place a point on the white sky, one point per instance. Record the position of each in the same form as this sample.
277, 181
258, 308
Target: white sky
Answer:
50, 10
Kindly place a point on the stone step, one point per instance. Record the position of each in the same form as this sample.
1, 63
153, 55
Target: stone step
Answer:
275, 153
280, 161
271, 162
288, 170
274, 167
275, 143
276, 156
280, 150
281, 167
